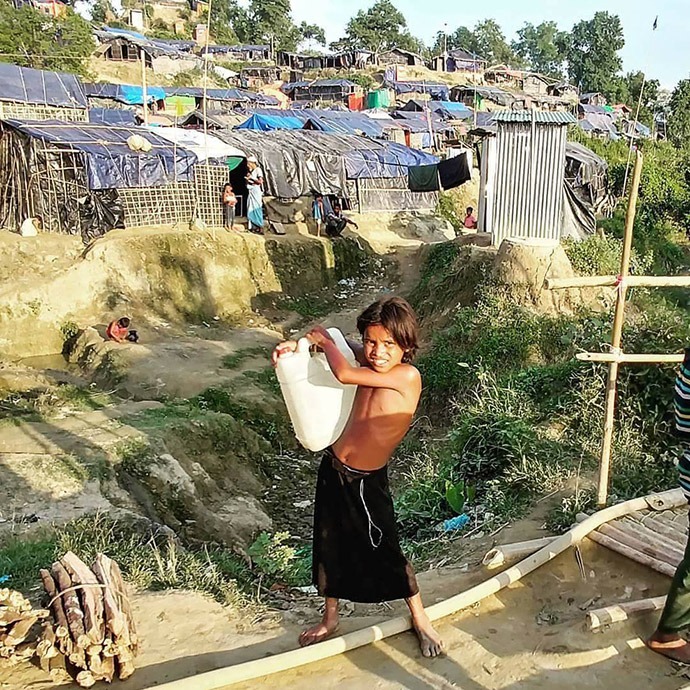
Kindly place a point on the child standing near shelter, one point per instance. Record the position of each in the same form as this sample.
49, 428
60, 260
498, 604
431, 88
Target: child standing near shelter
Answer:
229, 203
356, 553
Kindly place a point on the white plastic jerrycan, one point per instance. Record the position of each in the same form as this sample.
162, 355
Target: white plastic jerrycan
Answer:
318, 404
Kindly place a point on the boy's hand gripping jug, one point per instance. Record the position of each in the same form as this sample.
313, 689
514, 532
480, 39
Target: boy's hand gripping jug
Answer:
318, 404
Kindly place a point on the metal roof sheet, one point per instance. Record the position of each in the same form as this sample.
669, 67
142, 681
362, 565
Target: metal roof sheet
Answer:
541, 117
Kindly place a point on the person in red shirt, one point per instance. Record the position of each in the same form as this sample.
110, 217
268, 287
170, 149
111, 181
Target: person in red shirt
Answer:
119, 331
470, 221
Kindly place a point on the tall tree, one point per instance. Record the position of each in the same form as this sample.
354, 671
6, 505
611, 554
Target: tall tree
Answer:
635, 86
486, 40
312, 32
593, 59
29, 38
379, 28
543, 47
678, 125
491, 44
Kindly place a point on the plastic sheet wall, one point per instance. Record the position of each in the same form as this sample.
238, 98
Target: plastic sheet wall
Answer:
392, 194
521, 188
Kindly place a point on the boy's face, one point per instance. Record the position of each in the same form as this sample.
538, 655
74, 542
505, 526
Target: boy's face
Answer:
381, 350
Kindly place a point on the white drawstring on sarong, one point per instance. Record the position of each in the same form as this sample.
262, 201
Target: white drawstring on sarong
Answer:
371, 522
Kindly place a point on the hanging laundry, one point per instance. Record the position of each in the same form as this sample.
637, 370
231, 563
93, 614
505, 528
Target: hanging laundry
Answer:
454, 171
423, 178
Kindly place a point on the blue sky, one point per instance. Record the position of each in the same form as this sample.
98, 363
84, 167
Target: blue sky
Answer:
662, 54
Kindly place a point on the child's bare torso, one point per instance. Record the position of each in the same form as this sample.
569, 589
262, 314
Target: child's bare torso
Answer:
379, 420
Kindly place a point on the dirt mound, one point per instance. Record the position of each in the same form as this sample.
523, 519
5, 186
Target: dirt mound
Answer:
162, 276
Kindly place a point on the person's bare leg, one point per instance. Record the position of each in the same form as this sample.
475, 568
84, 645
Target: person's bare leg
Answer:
430, 641
327, 626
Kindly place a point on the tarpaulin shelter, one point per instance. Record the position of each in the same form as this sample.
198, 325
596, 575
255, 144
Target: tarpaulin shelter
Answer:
327, 90
84, 178
586, 191
129, 94
483, 97
41, 95
112, 116
438, 92
370, 174
232, 98
213, 119
266, 123
204, 146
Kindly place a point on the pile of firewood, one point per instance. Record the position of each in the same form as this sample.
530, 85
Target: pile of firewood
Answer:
92, 635
17, 618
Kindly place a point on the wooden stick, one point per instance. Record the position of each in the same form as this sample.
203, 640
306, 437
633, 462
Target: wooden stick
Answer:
505, 553
654, 539
623, 358
612, 281
57, 605
661, 528
123, 601
90, 595
621, 612
632, 554
115, 619
19, 631
75, 616
618, 319
656, 546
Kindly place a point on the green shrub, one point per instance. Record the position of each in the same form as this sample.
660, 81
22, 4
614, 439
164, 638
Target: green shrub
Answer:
279, 561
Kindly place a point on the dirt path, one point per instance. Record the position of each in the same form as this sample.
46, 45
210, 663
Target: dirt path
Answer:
529, 636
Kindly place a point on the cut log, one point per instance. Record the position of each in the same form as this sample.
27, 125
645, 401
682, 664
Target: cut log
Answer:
85, 679
661, 528
90, 595
622, 611
19, 631
123, 601
506, 553
657, 550
115, 619
125, 668
632, 554
57, 605
71, 604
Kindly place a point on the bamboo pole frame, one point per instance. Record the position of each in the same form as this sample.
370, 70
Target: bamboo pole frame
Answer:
614, 281
618, 319
616, 356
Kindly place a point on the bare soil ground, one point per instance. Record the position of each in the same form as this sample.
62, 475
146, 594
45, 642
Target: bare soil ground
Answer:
530, 635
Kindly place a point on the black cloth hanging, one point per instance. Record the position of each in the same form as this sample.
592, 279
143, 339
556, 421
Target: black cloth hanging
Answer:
454, 171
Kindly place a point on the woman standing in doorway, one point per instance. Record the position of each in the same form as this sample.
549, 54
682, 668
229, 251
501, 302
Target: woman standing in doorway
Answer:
255, 196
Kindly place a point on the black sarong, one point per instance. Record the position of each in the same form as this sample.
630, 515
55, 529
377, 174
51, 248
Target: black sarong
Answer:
356, 553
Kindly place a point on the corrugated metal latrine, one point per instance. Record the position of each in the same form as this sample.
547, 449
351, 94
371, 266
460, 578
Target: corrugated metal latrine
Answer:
522, 173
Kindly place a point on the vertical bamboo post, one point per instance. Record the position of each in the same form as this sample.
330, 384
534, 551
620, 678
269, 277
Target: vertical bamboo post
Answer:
618, 319
144, 95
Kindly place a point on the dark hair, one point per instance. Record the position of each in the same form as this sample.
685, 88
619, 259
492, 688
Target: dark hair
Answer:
226, 185
469, 209
398, 318
124, 322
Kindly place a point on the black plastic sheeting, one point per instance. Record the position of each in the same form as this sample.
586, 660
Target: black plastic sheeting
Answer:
26, 85
109, 161
295, 163
586, 191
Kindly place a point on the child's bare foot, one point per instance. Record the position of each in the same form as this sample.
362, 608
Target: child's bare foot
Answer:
430, 641
671, 646
319, 632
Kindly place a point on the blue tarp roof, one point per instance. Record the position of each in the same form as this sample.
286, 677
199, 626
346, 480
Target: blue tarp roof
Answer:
26, 85
110, 163
112, 116
267, 123
336, 121
130, 94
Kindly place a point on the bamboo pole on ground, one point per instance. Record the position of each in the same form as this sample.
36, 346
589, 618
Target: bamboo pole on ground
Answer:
621, 612
505, 553
250, 670
618, 319
622, 358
